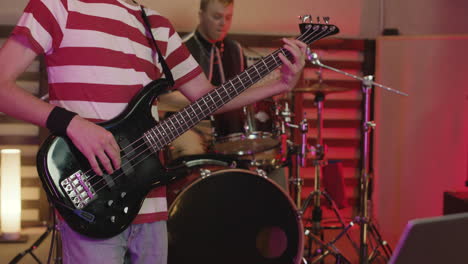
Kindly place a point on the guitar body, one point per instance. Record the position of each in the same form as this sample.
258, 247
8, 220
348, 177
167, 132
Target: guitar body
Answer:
119, 196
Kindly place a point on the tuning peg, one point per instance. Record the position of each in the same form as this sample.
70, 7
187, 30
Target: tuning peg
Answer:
306, 18
326, 19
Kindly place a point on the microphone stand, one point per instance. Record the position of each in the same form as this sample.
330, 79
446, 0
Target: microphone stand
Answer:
366, 225
314, 59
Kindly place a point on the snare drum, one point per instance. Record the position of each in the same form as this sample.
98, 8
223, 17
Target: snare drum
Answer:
251, 129
234, 216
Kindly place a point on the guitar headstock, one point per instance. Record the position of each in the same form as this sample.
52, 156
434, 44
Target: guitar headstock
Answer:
314, 31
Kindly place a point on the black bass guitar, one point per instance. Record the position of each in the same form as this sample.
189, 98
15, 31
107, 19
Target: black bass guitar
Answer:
103, 206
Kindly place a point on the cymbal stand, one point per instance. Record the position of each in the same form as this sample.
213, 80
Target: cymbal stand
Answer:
319, 162
328, 248
319, 150
303, 127
366, 225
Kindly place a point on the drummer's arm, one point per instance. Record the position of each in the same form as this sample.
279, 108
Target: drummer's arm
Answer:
290, 73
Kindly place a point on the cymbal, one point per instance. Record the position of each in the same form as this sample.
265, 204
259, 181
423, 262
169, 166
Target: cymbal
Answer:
320, 87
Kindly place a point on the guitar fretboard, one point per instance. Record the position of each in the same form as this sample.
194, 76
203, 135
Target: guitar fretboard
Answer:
168, 130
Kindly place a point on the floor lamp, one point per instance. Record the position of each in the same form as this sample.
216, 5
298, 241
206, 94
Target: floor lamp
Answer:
10, 196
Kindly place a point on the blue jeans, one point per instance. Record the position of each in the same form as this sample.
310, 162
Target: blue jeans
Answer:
140, 243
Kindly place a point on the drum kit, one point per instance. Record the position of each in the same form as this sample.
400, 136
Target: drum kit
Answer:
224, 204
224, 207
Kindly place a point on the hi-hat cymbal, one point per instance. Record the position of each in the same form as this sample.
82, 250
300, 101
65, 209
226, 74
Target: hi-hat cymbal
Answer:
320, 87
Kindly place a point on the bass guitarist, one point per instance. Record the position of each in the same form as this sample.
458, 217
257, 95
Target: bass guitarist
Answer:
99, 55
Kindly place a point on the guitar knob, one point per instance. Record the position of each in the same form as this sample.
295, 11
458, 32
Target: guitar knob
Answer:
110, 202
123, 194
112, 219
125, 210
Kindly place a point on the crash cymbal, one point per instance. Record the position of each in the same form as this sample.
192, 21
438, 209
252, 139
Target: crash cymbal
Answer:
320, 87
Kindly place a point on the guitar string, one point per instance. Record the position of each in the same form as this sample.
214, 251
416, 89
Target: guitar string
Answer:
270, 58
163, 123
228, 81
143, 144
157, 133
213, 90
149, 148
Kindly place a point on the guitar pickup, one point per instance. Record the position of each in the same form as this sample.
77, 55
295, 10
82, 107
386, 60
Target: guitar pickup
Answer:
78, 189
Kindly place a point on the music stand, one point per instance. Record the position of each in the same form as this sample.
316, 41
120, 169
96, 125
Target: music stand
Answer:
442, 239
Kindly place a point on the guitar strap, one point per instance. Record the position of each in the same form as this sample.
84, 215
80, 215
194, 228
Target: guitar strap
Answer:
166, 70
164, 177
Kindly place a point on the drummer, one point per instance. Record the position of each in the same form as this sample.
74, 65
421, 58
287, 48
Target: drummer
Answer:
221, 58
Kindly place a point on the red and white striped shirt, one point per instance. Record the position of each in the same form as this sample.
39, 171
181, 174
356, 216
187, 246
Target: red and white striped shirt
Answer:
99, 56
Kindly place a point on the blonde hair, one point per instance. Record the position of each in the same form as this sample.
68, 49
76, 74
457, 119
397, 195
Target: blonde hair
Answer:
204, 3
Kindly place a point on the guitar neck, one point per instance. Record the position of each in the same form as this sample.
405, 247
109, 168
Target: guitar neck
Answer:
178, 123
171, 128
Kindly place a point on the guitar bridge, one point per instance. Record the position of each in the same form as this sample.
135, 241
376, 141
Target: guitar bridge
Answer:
78, 189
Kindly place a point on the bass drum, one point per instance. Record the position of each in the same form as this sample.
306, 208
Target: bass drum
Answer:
185, 170
234, 216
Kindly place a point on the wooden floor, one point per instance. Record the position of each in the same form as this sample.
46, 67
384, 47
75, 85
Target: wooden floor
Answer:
9, 250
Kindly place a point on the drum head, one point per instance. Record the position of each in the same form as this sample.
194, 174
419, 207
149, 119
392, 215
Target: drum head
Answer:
251, 129
234, 216
240, 144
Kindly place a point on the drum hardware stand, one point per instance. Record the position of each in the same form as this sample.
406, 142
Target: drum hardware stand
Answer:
329, 248
319, 151
297, 181
366, 225
55, 239
303, 127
